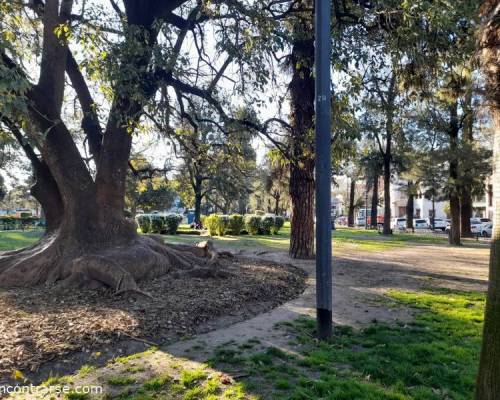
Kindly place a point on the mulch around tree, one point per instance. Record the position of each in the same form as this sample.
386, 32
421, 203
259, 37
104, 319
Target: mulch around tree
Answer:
40, 324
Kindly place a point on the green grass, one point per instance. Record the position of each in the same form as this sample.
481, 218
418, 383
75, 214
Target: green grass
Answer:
12, 240
192, 385
120, 380
343, 238
432, 358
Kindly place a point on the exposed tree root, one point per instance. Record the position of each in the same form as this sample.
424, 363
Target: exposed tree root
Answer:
56, 261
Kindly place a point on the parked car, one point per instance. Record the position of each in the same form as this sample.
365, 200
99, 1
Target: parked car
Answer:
420, 224
487, 229
476, 224
439, 224
398, 223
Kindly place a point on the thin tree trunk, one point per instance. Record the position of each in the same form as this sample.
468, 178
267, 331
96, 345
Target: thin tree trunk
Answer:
45, 189
197, 209
454, 238
197, 183
410, 210
46, 192
350, 215
387, 154
465, 195
465, 212
488, 380
387, 195
242, 206
455, 220
277, 205
374, 210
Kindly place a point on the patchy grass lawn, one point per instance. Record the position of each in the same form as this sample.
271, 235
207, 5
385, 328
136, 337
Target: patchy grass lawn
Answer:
432, 358
12, 240
342, 238
151, 375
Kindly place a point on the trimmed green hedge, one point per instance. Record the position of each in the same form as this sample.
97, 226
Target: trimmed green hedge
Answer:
160, 224
266, 225
222, 225
144, 223
211, 222
236, 224
8, 222
278, 224
253, 224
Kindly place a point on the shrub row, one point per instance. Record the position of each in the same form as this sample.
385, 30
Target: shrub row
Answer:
10, 222
163, 224
236, 224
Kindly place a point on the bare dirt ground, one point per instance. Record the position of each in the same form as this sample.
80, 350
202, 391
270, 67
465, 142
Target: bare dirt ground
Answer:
361, 279
227, 312
42, 331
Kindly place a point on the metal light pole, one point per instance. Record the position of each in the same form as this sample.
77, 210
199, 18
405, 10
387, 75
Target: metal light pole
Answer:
323, 170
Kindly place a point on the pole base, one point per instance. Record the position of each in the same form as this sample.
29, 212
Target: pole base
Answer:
324, 323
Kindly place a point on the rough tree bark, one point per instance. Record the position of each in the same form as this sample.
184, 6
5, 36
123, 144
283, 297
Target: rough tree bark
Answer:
488, 380
374, 210
466, 192
277, 198
350, 214
454, 238
465, 212
302, 137
93, 244
410, 210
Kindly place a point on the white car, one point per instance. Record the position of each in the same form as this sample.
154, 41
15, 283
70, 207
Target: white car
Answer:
476, 224
486, 229
438, 223
420, 224
398, 223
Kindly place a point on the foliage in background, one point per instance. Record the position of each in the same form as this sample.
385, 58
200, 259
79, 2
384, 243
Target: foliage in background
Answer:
253, 224
236, 224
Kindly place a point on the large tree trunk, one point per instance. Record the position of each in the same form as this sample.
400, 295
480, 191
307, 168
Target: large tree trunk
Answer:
94, 244
374, 210
454, 238
302, 223
410, 210
302, 138
350, 214
488, 380
387, 195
